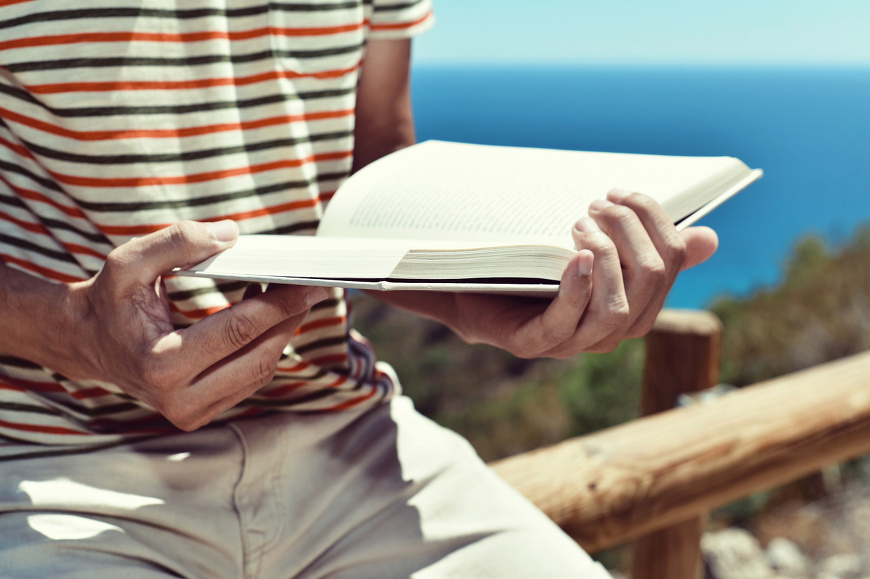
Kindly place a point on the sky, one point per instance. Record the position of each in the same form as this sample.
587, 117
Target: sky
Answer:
649, 32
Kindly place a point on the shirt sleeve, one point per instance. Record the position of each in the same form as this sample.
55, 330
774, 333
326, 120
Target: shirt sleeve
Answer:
399, 18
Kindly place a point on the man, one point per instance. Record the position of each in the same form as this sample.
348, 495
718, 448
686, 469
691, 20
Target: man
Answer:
147, 429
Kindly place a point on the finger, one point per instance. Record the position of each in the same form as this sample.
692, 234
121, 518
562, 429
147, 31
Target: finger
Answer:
701, 244
191, 350
670, 248
233, 379
182, 244
607, 309
644, 271
558, 322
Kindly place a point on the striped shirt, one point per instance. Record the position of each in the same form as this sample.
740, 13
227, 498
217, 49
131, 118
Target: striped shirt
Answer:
119, 117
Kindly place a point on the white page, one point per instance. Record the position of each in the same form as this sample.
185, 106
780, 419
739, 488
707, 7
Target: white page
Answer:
476, 192
256, 256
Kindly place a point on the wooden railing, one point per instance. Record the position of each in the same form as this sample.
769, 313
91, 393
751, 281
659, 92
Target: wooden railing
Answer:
653, 480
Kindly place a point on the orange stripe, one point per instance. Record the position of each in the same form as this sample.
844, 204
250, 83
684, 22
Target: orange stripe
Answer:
329, 360
168, 133
11, 2
287, 388
146, 229
289, 206
73, 248
320, 31
26, 225
44, 271
190, 37
354, 402
36, 196
77, 249
325, 197
295, 368
401, 25
16, 148
36, 386
114, 86
39, 428
324, 323
94, 392
198, 177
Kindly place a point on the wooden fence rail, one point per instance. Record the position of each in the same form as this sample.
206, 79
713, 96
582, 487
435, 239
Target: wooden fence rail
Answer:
668, 469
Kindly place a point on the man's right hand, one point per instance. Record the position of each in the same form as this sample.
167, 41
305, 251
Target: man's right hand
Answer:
118, 329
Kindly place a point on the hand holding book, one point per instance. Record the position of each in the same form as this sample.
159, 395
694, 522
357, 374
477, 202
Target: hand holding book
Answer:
612, 289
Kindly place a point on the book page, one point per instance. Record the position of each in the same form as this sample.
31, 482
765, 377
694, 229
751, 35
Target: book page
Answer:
476, 192
257, 256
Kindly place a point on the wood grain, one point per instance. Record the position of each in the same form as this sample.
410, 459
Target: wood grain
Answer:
624, 482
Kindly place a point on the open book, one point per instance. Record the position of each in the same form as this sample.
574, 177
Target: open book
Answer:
461, 217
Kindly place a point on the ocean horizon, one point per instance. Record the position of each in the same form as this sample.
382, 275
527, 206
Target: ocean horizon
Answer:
807, 128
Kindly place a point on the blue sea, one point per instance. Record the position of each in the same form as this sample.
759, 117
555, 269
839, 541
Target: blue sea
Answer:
808, 129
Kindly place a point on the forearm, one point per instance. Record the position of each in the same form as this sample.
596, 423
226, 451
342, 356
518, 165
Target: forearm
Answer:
33, 323
384, 117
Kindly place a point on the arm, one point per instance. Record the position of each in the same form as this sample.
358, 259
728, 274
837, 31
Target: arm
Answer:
636, 251
115, 327
384, 117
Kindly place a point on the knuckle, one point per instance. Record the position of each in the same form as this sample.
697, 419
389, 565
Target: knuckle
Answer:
239, 331
653, 268
182, 415
158, 377
181, 232
113, 266
601, 245
615, 315
641, 202
293, 307
262, 370
619, 214
558, 334
675, 249
169, 408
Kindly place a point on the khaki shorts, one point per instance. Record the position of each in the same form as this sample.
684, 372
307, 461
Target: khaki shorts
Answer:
381, 494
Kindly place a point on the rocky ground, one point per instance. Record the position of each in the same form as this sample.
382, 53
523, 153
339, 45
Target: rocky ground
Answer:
824, 539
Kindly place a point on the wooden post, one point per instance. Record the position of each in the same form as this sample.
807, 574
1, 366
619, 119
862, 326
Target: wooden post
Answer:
624, 482
682, 356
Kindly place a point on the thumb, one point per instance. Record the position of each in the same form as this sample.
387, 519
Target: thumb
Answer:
701, 244
182, 244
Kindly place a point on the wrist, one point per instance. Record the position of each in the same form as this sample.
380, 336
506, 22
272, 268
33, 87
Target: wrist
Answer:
38, 320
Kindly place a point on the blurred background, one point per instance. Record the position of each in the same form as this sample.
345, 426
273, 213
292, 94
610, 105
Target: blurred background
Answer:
782, 85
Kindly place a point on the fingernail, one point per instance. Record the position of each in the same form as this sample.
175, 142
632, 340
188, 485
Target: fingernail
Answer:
586, 225
585, 261
225, 230
316, 295
618, 194
599, 204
